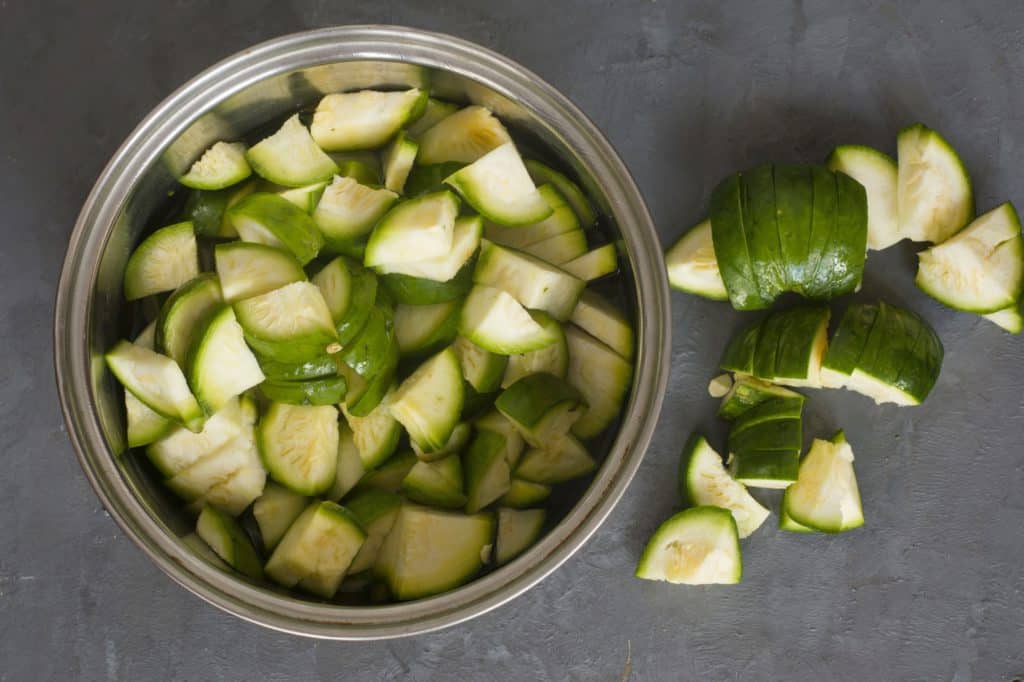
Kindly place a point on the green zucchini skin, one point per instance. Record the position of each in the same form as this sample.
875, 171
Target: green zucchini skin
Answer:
850, 338
781, 228
731, 249
419, 291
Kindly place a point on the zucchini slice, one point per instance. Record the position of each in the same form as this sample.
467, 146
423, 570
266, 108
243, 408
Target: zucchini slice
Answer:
414, 230
878, 173
542, 406
318, 367
601, 375
163, 261
388, 477
980, 269
462, 137
422, 328
497, 422
220, 364
228, 478
495, 321
276, 510
398, 162
537, 285
488, 474
207, 210
517, 530
704, 481
157, 381
437, 483
299, 446
225, 537
290, 157
559, 249
482, 369
247, 269
522, 494
182, 448
456, 442
348, 210
432, 115
269, 219
747, 393
306, 197
561, 221
848, 344
181, 313
290, 324
430, 551
698, 546
350, 468
376, 512
420, 291
600, 262
499, 188
553, 359
375, 435
317, 549
901, 359
825, 496
692, 266
144, 426
729, 214
720, 386
429, 401
934, 198
555, 462
220, 166
465, 241
598, 317
581, 206
365, 119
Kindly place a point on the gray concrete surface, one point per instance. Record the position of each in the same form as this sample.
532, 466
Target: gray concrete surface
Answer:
931, 589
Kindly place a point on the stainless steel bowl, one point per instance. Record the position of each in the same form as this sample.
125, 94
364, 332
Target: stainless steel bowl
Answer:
234, 97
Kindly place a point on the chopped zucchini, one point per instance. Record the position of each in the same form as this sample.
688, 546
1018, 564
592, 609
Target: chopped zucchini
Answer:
698, 546
692, 266
594, 264
348, 210
420, 329
561, 221
444, 268
290, 324
350, 468
225, 537
437, 483
878, 173
220, 364
704, 481
488, 474
291, 157
598, 317
517, 530
276, 510
482, 369
557, 461
376, 512
553, 359
398, 162
220, 166
535, 284
364, 119
543, 175
299, 446
181, 314
432, 115
542, 406
523, 493
825, 496
495, 321
269, 219
429, 401
430, 551
934, 197
499, 188
463, 137
601, 375
157, 381
376, 434
163, 261
414, 230
247, 269
456, 442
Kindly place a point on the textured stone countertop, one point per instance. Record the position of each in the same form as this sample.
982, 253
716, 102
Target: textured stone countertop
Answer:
931, 589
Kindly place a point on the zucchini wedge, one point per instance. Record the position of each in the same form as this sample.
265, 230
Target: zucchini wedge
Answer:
698, 546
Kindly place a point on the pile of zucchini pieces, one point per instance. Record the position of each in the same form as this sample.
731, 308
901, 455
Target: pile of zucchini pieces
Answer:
390, 357
781, 228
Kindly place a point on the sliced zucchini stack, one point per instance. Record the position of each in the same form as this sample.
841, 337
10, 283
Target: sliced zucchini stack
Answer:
886, 353
786, 347
765, 443
393, 396
981, 268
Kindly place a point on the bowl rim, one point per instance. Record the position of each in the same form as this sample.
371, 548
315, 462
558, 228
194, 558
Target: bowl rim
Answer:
74, 363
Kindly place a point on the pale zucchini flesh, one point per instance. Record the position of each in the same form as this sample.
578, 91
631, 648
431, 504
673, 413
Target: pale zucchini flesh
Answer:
182, 313
220, 364
692, 265
594, 264
825, 496
299, 446
291, 157
364, 119
414, 230
517, 530
463, 137
220, 166
698, 546
225, 537
558, 461
601, 375
157, 381
934, 198
275, 510
706, 482
246, 269
535, 284
553, 359
495, 321
348, 210
499, 188
878, 173
163, 261
376, 435
600, 318
429, 401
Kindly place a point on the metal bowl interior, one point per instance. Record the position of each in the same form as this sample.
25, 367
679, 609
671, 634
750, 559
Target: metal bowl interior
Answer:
228, 101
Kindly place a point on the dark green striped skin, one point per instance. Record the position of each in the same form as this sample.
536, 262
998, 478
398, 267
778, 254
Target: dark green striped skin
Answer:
850, 338
902, 351
782, 227
322, 391
419, 291
780, 346
362, 298
767, 466
739, 354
